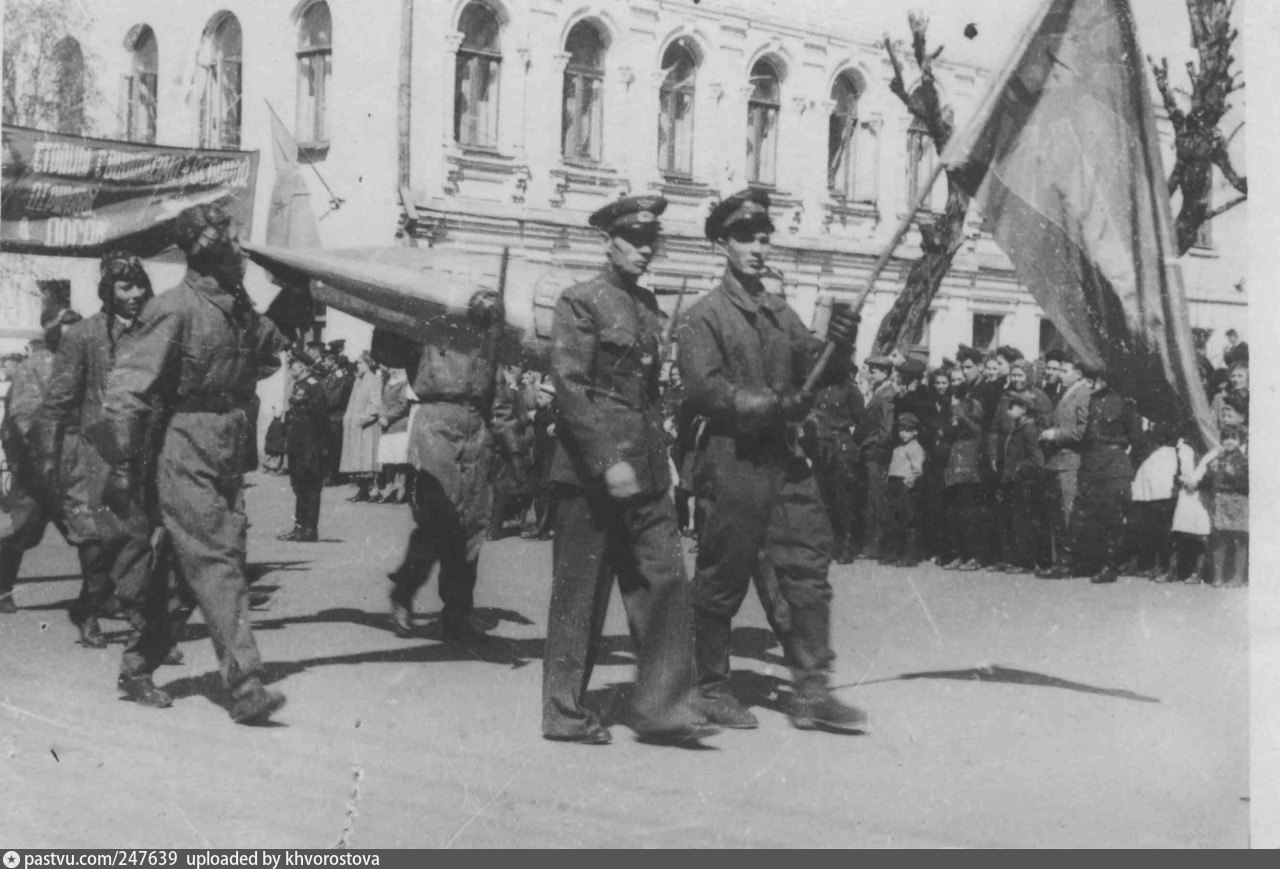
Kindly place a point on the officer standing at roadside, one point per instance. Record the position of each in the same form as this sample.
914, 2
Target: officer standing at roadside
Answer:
306, 440
615, 518
745, 355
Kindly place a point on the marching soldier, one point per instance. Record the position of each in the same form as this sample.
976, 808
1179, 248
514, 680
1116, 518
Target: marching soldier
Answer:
745, 355
615, 518
837, 410
30, 504
1104, 481
199, 351
451, 451
306, 438
115, 550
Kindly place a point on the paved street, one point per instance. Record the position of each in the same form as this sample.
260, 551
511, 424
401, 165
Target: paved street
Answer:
1005, 711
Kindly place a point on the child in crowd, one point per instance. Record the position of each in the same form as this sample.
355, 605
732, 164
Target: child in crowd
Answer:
1151, 509
1191, 525
1226, 476
900, 534
1022, 484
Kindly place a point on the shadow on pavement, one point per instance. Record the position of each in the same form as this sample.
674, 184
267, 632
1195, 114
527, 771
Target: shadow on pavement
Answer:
1010, 676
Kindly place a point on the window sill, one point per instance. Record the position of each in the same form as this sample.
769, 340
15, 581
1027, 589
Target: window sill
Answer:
684, 186
840, 206
312, 152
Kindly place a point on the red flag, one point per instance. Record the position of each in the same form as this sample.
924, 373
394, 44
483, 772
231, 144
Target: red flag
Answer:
291, 222
1063, 158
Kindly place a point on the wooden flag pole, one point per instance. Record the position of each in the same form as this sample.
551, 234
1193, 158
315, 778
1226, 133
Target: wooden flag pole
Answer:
829, 350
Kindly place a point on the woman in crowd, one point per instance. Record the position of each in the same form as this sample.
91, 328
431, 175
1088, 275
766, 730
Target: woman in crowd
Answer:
360, 427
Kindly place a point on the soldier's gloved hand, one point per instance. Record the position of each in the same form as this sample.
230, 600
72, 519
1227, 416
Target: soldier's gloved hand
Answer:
842, 329
484, 308
795, 406
117, 491
755, 408
621, 482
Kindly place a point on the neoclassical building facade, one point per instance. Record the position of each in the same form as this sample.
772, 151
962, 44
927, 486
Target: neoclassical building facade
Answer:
504, 123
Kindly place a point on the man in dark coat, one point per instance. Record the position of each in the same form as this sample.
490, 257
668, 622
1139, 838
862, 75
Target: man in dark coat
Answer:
450, 448
745, 356
1105, 480
199, 351
116, 550
875, 447
30, 504
1062, 441
306, 438
615, 517
838, 408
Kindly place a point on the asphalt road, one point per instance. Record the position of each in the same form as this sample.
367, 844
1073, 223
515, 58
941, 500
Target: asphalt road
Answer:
1005, 712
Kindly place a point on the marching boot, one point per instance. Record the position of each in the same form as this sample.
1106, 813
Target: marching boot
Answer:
143, 691
711, 651
7, 606
812, 705
87, 624
254, 703
10, 563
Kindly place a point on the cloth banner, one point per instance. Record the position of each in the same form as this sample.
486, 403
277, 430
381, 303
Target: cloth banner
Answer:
1063, 157
69, 195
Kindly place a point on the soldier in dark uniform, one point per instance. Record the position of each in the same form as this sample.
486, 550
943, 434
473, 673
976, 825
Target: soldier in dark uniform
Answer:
198, 352
745, 355
1104, 481
838, 408
306, 436
115, 549
615, 517
30, 504
451, 451
337, 381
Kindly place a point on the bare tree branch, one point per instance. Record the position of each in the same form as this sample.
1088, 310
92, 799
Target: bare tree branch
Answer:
1221, 209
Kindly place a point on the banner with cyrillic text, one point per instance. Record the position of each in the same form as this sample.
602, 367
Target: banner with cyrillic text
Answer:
69, 195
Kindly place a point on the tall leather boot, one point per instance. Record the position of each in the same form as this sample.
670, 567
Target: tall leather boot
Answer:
813, 706
713, 699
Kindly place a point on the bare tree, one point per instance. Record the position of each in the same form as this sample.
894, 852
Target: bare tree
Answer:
48, 77
1199, 144
941, 235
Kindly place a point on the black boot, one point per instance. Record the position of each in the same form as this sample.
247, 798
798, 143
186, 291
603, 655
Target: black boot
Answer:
143, 691
7, 606
87, 623
253, 703
814, 707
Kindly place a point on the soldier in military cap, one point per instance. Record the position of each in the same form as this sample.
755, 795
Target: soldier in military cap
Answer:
745, 356
614, 517
306, 428
875, 448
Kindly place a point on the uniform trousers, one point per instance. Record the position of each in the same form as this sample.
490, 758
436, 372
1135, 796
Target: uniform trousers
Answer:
765, 521
203, 513
638, 541
875, 474
900, 525
837, 477
1022, 512
438, 535
306, 476
1097, 522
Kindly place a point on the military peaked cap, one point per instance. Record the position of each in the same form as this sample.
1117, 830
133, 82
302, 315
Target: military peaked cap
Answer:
880, 362
746, 206
631, 212
909, 421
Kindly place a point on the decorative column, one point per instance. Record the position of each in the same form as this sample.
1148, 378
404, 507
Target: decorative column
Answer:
448, 82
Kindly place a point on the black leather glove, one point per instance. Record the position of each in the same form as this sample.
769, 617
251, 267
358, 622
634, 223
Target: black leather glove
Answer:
755, 408
795, 406
842, 329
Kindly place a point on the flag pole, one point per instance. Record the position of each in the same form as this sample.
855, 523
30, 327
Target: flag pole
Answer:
829, 349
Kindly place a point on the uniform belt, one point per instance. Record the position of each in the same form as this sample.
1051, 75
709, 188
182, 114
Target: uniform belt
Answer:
207, 404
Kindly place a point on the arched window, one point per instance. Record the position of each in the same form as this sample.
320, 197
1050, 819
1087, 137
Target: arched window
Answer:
140, 86
475, 96
315, 67
220, 88
675, 111
843, 139
762, 123
69, 83
582, 123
